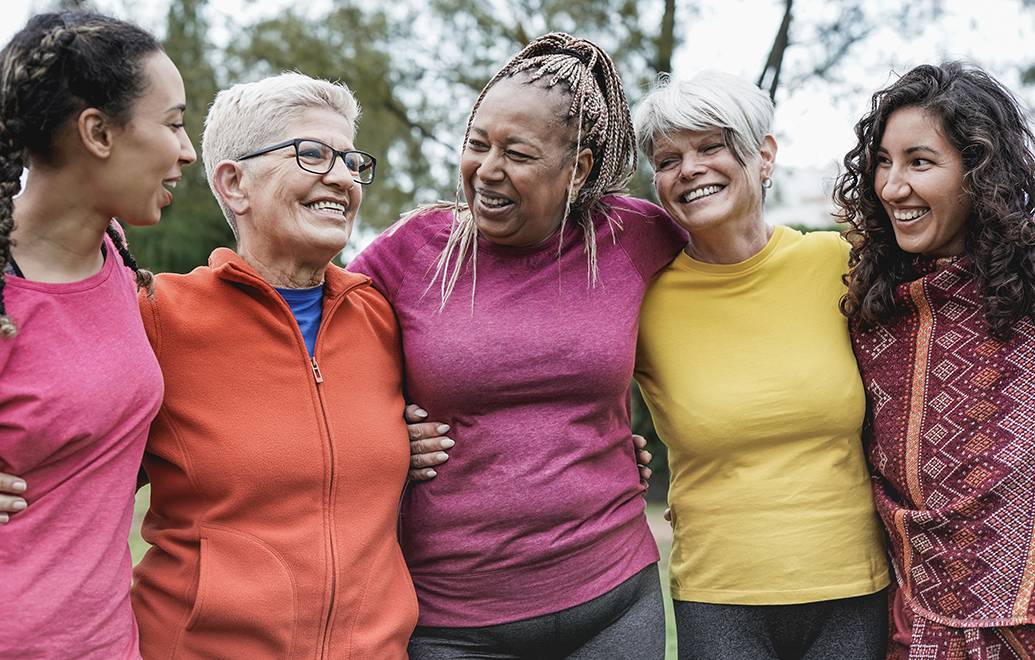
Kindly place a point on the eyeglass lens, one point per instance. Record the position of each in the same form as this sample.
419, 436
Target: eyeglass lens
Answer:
319, 159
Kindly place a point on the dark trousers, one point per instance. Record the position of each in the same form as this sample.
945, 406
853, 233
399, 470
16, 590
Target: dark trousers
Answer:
843, 629
626, 623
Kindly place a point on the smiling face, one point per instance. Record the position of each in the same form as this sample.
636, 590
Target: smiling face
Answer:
294, 216
149, 151
516, 166
919, 180
701, 184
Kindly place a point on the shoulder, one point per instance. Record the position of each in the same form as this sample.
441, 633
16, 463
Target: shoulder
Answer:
825, 250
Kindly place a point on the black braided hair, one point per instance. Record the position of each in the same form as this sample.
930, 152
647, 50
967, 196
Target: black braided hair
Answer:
58, 65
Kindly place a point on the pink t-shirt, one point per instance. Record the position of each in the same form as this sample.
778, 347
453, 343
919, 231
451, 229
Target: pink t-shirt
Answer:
79, 387
539, 507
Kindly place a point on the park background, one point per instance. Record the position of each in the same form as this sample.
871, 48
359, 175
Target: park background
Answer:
417, 67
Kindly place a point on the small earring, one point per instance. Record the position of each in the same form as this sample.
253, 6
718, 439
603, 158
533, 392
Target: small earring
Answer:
767, 183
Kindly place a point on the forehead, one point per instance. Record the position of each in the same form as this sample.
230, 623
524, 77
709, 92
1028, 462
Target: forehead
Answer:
529, 110
164, 90
322, 124
686, 138
913, 126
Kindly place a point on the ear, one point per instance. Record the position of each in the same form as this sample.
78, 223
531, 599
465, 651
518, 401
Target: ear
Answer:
583, 166
95, 130
768, 152
228, 182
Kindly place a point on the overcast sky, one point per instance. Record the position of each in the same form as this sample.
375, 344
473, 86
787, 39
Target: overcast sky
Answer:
813, 127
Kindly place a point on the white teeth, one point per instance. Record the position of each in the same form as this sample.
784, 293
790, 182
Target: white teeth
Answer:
910, 215
494, 202
327, 206
701, 192
170, 184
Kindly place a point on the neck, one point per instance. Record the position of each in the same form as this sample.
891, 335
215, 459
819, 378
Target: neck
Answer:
58, 234
284, 272
726, 244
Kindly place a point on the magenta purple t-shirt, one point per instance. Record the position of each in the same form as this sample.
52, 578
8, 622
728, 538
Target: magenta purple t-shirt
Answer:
539, 507
79, 387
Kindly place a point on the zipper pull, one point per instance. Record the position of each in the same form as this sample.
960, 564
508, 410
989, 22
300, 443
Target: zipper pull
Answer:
316, 370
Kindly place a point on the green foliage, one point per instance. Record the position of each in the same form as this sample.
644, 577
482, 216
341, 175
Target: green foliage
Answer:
193, 225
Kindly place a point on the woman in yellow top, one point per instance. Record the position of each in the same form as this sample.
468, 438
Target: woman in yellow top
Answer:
746, 364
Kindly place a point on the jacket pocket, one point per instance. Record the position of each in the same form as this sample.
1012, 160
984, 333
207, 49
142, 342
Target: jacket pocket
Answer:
246, 604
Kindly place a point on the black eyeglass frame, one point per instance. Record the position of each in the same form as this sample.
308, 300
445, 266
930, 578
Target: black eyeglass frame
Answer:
298, 159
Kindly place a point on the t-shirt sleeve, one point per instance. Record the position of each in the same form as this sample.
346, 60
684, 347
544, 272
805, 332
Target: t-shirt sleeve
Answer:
383, 259
650, 238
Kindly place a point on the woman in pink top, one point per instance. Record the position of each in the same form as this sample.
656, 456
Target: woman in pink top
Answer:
94, 108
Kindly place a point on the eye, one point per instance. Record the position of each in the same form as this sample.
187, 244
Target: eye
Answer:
666, 164
176, 127
921, 162
477, 145
712, 148
517, 155
883, 160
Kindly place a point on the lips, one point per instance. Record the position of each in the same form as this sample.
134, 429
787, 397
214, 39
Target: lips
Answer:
328, 205
698, 193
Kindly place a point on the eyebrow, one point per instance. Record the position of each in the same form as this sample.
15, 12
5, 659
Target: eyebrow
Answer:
912, 150
511, 140
181, 107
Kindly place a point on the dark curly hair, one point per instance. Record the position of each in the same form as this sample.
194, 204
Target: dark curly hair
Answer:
54, 68
987, 125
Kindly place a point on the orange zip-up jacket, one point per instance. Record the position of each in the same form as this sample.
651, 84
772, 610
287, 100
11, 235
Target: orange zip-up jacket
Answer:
275, 477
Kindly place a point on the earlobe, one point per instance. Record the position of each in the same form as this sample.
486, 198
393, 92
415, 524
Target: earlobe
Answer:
228, 182
95, 132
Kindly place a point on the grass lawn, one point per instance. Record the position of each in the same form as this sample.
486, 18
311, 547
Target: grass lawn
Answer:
662, 532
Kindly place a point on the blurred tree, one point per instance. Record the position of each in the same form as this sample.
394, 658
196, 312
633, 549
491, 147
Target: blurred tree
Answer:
193, 225
356, 45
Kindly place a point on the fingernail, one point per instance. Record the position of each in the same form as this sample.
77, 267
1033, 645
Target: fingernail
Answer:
441, 457
447, 443
431, 473
420, 412
442, 428
4, 518
18, 486
19, 505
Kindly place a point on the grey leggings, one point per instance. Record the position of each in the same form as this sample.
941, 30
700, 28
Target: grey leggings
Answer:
843, 629
626, 623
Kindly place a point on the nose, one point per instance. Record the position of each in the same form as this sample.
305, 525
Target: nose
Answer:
490, 166
339, 175
896, 186
691, 166
187, 153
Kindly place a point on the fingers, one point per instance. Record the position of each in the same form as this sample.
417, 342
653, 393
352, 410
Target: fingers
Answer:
426, 453
11, 503
426, 430
414, 413
422, 475
639, 441
645, 473
644, 457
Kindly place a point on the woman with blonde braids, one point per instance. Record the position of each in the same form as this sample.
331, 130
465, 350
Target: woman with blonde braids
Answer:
94, 108
518, 313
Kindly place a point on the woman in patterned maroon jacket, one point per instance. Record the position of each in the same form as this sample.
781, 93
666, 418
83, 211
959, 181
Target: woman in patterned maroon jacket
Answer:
940, 194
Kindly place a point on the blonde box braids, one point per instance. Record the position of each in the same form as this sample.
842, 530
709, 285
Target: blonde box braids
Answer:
604, 125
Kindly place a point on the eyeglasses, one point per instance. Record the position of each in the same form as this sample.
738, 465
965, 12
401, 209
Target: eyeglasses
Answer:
318, 157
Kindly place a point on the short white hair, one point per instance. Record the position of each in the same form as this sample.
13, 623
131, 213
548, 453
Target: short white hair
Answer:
251, 116
709, 100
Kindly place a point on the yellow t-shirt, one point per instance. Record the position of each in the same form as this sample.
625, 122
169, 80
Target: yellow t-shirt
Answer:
749, 375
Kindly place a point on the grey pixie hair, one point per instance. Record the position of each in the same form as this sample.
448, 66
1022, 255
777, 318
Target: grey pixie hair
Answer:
255, 115
709, 100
